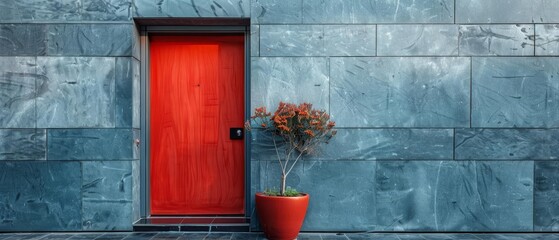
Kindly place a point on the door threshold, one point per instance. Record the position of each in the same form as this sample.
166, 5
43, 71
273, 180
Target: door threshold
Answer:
193, 224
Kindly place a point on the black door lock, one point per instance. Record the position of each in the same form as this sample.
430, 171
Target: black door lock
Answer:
236, 133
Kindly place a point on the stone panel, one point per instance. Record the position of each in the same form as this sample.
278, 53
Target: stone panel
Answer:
254, 40
417, 40
334, 202
40, 196
40, 10
292, 40
499, 40
369, 144
276, 11
107, 10
77, 92
506, 11
400, 92
505, 144
90, 39
127, 92
90, 144
23, 39
515, 92
294, 80
23, 144
107, 195
17, 92
367, 11
454, 196
192, 8
350, 40
546, 193
547, 39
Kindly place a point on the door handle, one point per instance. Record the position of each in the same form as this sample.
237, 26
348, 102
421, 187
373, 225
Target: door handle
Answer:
236, 133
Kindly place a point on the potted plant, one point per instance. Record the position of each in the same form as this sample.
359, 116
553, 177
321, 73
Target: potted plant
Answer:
296, 130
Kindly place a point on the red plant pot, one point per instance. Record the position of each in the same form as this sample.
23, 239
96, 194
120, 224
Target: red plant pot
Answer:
281, 218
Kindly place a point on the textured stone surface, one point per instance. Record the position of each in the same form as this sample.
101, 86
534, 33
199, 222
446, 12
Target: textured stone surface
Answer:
479, 40
400, 92
90, 144
127, 92
506, 11
290, 80
193, 8
40, 10
22, 40
17, 92
505, 144
136, 197
107, 195
547, 39
546, 193
417, 40
90, 39
370, 144
107, 10
276, 11
40, 196
515, 92
23, 144
366, 11
454, 196
334, 203
77, 92
255, 40
317, 40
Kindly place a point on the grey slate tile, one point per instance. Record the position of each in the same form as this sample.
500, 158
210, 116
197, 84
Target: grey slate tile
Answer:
276, 11
192, 8
498, 40
40, 10
90, 39
546, 193
23, 144
23, 39
516, 11
127, 92
18, 76
400, 92
76, 92
90, 144
547, 39
417, 40
107, 10
515, 92
40, 196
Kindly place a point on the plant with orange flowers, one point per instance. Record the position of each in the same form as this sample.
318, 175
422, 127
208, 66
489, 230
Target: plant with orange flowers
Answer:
301, 128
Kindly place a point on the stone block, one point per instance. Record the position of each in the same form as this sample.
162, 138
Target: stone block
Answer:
546, 193
107, 195
366, 11
127, 92
40, 10
454, 196
107, 10
254, 40
40, 196
498, 40
90, 39
507, 144
506, 11
76, 92
18, 76
400, 92
369, 144
23, 144
90, 144
515, 92
293, 80
417, 40
547, 39
23, 39
192, 8
276, 11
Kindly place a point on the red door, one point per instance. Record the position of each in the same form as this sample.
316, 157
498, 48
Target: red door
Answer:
196, 96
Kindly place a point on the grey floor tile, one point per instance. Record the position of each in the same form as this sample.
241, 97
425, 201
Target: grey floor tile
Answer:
140, 236
167, 236
309, 236
410, 237
442, 236
218, 236
112, 236
57, 236
85, 236
247, 236
193, 236
333, 236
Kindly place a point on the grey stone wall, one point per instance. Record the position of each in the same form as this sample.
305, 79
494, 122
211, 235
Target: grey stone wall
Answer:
69, 97
447, 110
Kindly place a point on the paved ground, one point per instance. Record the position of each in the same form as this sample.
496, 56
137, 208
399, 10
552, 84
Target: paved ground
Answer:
243, 236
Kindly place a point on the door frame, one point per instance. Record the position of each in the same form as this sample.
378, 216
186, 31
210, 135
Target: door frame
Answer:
145, 32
